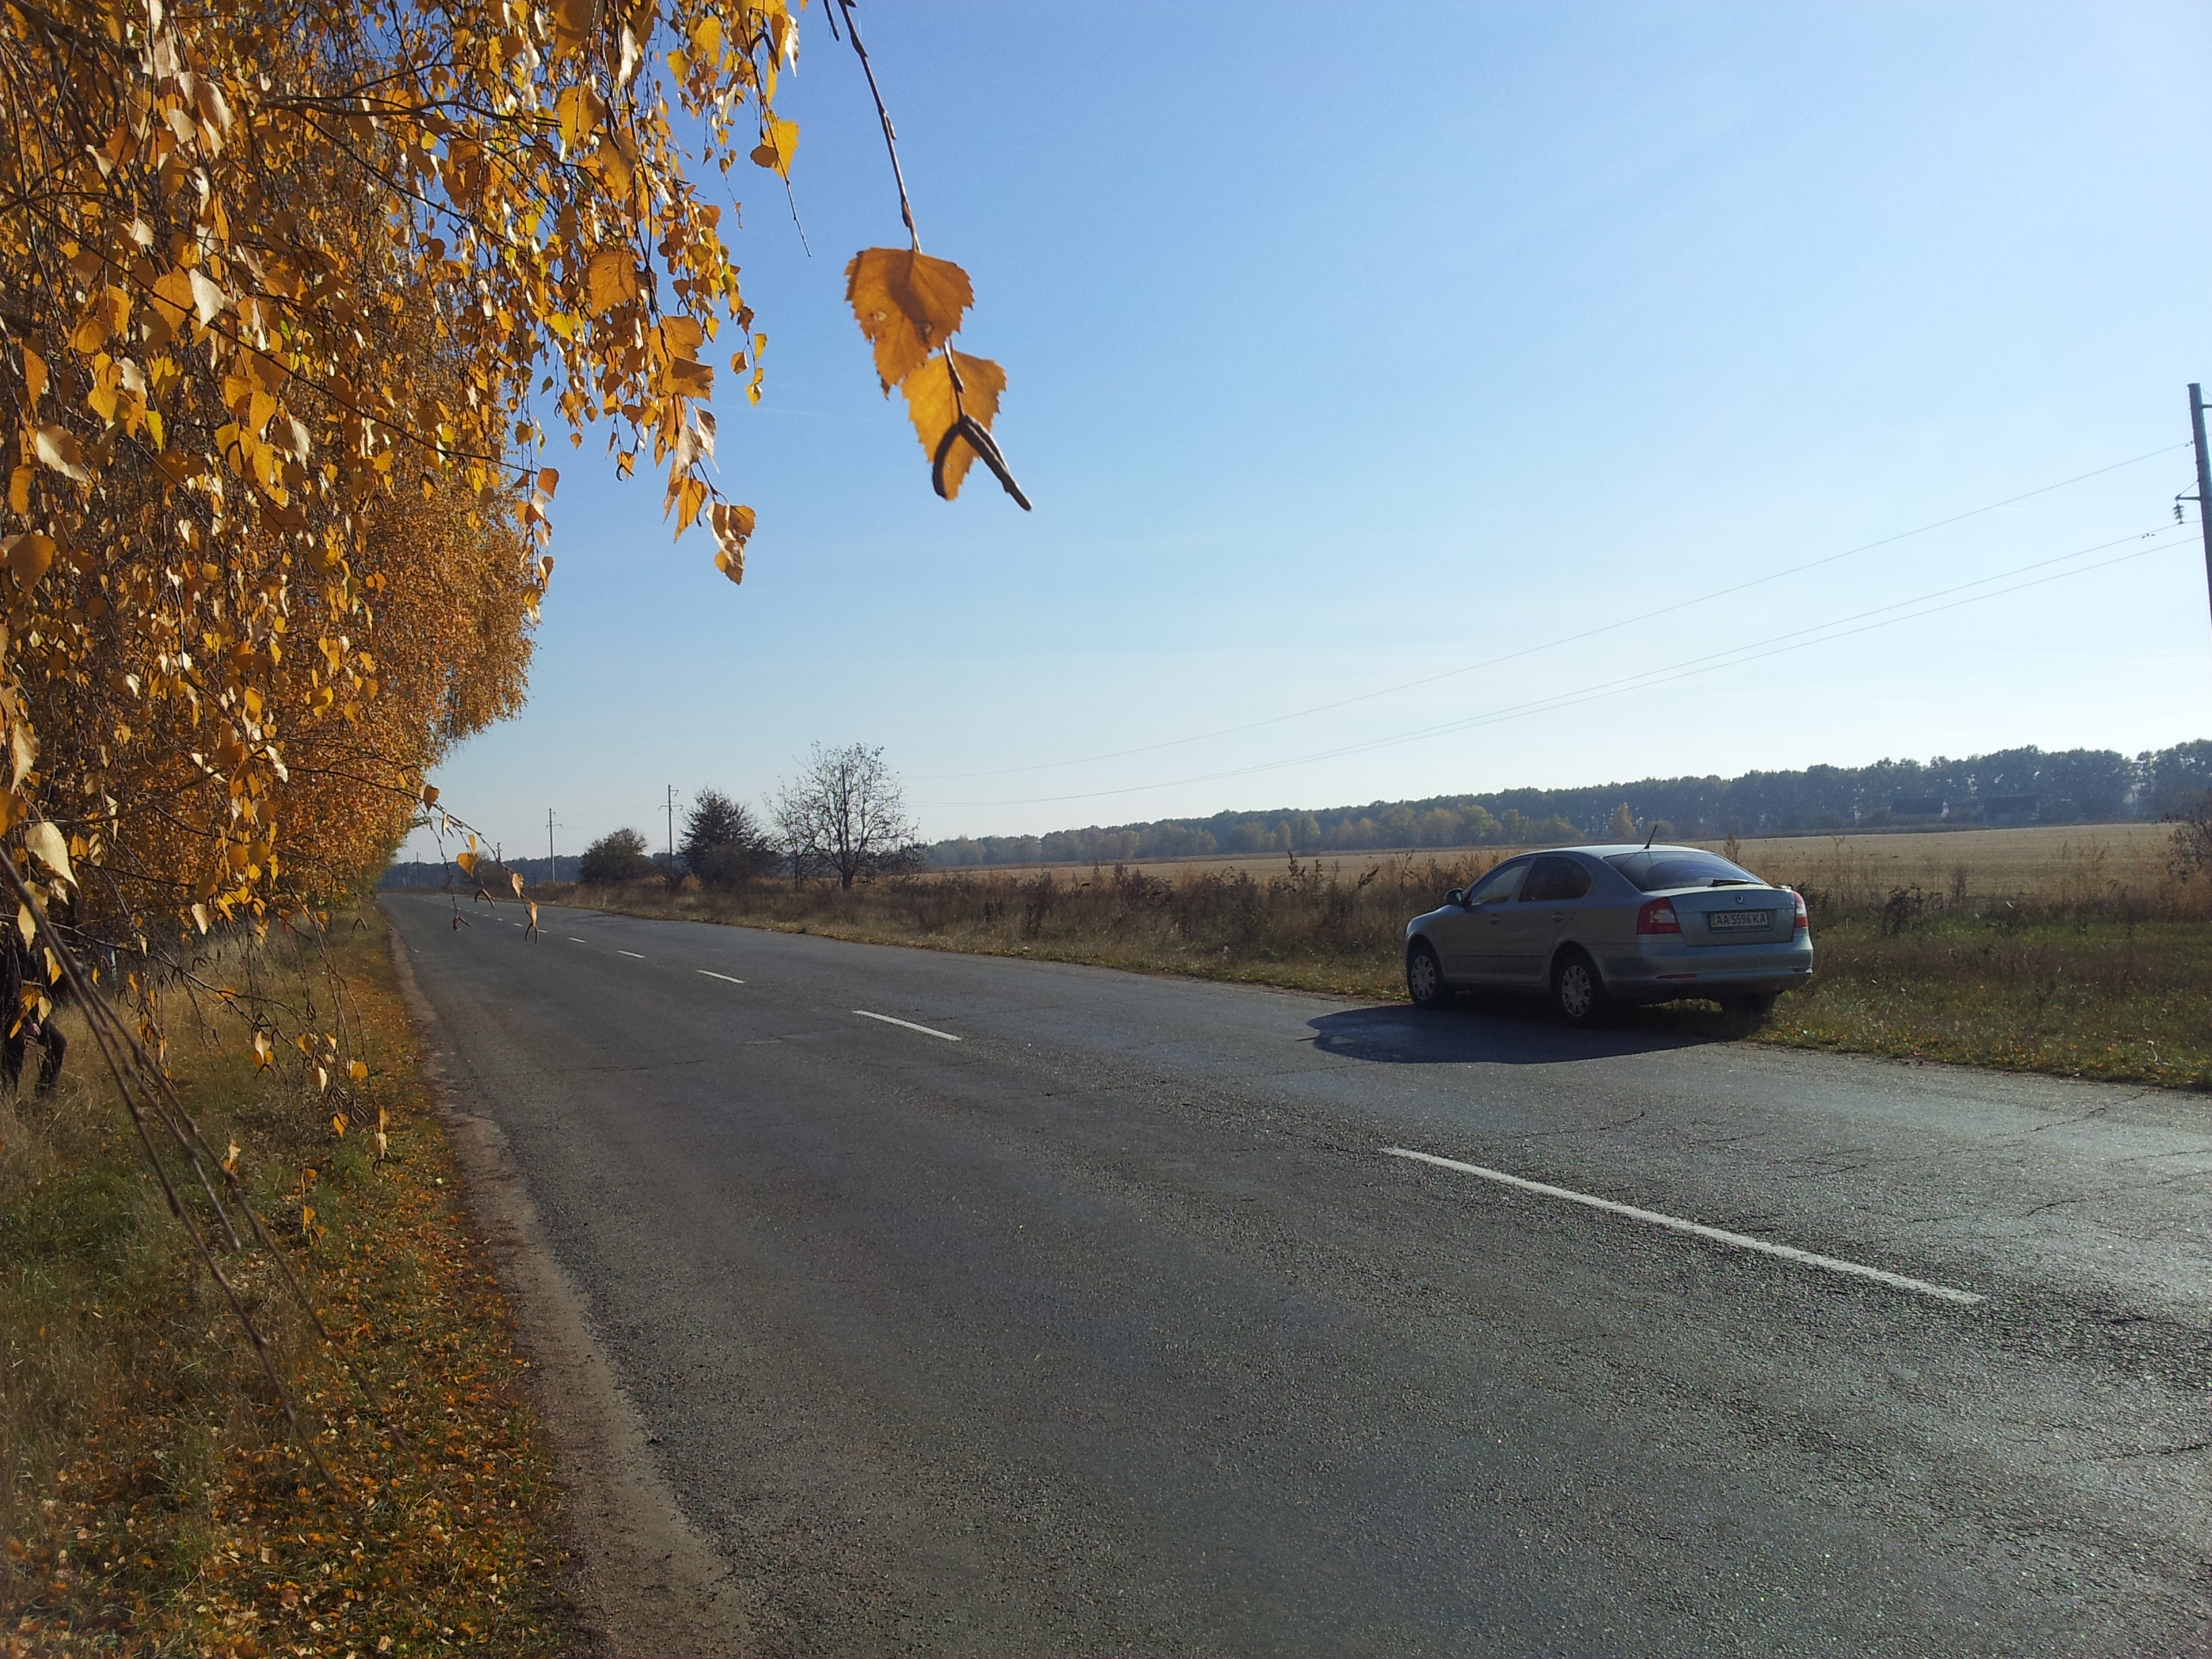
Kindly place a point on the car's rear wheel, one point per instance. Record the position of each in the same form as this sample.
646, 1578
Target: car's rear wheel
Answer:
1577, 992
1425, 977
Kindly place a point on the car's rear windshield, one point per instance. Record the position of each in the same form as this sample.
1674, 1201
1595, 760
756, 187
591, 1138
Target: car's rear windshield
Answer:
1659, 872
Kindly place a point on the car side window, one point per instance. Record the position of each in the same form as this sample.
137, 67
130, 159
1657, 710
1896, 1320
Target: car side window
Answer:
1498, 887
1554, 880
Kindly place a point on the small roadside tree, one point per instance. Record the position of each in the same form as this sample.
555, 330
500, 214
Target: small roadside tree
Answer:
844, 815
724, 843
1622, 826
618, 855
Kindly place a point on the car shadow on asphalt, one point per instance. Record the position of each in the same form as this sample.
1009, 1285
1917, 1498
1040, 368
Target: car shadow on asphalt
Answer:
1504, 1034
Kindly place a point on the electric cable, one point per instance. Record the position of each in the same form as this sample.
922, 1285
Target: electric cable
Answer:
1547, 645
1824, 632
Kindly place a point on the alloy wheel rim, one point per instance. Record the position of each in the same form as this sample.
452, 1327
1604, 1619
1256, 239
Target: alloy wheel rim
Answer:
1425, 977
1574, 991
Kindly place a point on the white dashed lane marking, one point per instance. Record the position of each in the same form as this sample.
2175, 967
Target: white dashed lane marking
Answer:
629, 953
926, 1031
711, 974
1719, 1236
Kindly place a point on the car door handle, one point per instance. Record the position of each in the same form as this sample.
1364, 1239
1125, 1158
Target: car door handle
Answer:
1558, 916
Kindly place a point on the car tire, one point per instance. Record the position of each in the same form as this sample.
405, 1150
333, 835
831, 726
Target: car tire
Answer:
1579, 991
1425, 977
1747, 1013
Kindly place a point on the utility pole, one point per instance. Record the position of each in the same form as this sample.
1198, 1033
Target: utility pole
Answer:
551, 857
2203, 477
671, 827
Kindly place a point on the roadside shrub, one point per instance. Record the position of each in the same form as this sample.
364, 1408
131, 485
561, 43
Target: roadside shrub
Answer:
619, 855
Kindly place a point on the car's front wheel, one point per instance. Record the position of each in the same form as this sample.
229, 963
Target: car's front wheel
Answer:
1425, 977
1577, 992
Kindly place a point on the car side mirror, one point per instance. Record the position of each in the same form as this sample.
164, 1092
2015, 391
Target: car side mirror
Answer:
1457, 896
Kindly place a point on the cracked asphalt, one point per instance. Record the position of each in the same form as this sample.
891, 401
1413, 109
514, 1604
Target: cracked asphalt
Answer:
1111, 1327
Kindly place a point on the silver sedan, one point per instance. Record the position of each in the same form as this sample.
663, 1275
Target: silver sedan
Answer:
1598, 927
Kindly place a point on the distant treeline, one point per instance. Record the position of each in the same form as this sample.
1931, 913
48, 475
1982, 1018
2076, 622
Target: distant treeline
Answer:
2013, 785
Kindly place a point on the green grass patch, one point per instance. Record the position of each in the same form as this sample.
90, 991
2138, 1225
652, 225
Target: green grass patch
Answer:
2125, 1001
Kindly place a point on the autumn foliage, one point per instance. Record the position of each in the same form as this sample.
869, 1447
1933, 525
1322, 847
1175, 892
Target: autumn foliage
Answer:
293, 296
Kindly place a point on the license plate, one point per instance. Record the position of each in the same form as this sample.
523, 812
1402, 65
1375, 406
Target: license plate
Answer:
1723, 921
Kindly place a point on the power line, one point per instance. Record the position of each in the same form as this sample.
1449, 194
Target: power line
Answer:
1547, 645
1834, 629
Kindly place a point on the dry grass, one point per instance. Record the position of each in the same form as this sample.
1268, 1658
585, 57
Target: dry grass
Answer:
2046, 864
2059, 950
1995, 858
1337, 927
155, 1501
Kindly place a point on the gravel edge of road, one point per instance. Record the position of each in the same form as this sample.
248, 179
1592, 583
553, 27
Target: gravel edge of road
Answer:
646, 1583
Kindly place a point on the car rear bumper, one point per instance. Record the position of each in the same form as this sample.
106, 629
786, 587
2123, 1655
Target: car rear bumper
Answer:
1665, 970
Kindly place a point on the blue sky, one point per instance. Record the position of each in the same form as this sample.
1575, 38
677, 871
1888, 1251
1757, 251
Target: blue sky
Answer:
1350, 347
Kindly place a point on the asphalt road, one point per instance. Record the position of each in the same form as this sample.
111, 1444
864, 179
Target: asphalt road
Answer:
1111, 1326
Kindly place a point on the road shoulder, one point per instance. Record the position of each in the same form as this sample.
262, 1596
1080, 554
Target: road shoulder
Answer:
646, 1583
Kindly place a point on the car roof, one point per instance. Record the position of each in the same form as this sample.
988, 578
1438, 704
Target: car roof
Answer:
1612, 848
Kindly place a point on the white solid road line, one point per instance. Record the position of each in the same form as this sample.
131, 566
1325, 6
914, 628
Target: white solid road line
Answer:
711, 974
925, 1030
1719, 1236
628, 953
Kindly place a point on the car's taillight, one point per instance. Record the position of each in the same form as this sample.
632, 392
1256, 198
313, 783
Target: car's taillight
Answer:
1657, 916
1802, 923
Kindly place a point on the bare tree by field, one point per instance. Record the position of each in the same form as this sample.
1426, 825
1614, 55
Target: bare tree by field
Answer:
2189, 854
724, 844
844, 815
618, 855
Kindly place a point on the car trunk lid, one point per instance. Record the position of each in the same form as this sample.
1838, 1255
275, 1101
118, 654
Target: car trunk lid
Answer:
1735, 916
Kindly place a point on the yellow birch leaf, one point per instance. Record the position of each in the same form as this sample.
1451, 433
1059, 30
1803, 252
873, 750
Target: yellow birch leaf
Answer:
34, 378
929, 404
28, 557
609, 279
579, 110
59, 450
50, 848
208, 299
732, 526
265, 1051
572, 25
515, 875
689, 380
779, 143
908, 305
173, 298
19, 488
358, 1071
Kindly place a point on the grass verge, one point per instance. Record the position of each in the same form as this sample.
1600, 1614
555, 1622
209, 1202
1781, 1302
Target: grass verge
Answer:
2089, 971
154, 1501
